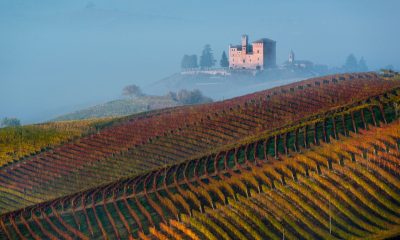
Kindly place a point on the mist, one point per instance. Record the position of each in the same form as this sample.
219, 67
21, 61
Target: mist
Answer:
58, 56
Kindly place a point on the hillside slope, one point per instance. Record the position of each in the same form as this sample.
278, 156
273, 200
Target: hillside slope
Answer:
348, 189
151, 140
23, 141
234, 85
316, 159
121, 107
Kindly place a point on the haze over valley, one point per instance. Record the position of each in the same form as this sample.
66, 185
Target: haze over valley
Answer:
59, 57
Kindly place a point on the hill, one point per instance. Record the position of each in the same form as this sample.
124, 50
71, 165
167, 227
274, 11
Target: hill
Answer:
317, 159
236, 83
121, 107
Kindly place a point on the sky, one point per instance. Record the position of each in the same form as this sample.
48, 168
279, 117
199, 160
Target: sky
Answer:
57, 56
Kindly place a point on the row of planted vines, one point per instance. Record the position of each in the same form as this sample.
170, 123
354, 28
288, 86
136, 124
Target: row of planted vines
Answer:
334, 175
341, 189
21, 142
144, 142
316, 160
347, 189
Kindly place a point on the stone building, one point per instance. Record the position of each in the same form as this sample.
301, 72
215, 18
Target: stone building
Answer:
260, 54
294, 63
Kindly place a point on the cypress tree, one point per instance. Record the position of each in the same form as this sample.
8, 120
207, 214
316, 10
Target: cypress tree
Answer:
224, 60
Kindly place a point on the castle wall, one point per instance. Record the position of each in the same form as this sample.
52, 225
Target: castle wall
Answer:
238, 59
270, 54
263, 55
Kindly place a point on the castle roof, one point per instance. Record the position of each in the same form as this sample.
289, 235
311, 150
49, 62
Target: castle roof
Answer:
264, 40
238, 47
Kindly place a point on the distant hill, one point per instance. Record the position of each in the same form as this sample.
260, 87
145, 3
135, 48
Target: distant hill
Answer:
219, 87
121, 107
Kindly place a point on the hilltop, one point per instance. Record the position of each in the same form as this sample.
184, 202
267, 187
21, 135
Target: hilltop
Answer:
121, 107
219, 85
138, 103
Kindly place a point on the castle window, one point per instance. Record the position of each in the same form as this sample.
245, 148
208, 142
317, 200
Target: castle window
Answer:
258, 51
244, 61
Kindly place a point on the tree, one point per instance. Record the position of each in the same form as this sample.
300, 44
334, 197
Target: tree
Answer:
172, 95
224, 60
193, 61
185, 62
362, 65
10, 122
189, 97
189, 61
207, 58
132, 91
351, 63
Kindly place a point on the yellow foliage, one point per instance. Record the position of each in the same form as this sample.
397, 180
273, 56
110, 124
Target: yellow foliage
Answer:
17, 142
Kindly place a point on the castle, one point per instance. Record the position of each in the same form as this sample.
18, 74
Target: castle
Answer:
261, 54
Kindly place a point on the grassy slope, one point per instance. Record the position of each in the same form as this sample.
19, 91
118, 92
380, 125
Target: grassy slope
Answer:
17, 142
121, 107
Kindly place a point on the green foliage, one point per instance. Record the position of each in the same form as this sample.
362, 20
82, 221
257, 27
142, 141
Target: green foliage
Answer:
189, 97
121, 107
17, 142
224, 60
189, 62
310, 193
207, 58
362, 65
132, 91
10, 122
352, 65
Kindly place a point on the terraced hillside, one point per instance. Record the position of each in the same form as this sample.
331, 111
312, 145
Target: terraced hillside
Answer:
315, 159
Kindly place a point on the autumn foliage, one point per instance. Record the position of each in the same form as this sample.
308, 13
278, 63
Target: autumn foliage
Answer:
318, 159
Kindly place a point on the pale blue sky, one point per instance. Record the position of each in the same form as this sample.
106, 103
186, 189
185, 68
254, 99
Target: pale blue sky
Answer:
59, 55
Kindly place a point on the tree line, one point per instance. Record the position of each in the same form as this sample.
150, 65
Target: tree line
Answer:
182, 96
354, 65
10, 122
206, 60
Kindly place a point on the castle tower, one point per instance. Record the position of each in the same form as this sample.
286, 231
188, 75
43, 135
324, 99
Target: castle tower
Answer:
258, 55
245, 40
291, 56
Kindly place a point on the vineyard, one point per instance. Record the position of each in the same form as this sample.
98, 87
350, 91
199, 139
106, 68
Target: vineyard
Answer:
317, 159
20, 142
